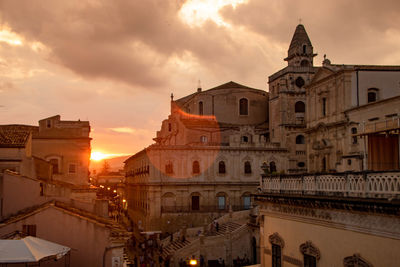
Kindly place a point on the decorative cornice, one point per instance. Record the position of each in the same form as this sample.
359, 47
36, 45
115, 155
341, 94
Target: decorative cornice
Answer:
368, 205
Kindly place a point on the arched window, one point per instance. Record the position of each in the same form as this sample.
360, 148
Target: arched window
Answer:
245, 139
300, 139
354, 138
247, 167
196, 167
169, 127
304, 49
299, 107
372, 95
203, 139
221, 167
272, 166
200, 108
243, 106
299, 82
169, 168
324, 164
304, 63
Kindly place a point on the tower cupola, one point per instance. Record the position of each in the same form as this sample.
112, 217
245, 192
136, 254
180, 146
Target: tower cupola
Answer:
300, 53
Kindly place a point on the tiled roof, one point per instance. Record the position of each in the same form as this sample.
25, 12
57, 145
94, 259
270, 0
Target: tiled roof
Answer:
13, 136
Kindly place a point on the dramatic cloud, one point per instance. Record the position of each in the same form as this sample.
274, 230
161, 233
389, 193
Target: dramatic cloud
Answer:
129, 41
115, 63
357, 31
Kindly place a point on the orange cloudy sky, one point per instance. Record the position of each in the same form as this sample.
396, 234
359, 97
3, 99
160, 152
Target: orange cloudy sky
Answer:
116, 62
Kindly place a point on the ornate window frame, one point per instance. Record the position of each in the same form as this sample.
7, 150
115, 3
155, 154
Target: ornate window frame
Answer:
356, 261
276, 239
309, 249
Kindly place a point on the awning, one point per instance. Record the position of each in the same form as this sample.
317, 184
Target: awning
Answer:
29, 249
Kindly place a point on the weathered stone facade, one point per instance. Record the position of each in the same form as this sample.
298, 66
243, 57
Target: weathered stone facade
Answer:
339, 109
287, 100
203, 163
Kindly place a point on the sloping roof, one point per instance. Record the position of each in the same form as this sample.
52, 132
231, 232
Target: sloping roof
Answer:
300, 37
228, 85
13, 136
232, 84
69, 209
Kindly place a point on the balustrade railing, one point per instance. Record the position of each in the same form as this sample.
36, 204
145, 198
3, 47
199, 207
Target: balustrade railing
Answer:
209, 208
357, 184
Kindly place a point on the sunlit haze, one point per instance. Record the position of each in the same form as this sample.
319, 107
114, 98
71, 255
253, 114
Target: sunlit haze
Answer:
97, 156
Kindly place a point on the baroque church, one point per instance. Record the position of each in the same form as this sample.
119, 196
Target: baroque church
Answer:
208, 154
304, 135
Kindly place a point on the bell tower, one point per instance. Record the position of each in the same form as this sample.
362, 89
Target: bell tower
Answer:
300, 53
287, 100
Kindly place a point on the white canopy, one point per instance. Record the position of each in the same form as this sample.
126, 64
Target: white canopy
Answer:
29, 249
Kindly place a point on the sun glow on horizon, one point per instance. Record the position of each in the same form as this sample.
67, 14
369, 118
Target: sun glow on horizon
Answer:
98, 156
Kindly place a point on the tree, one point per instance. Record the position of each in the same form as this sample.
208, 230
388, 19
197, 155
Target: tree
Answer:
106, 167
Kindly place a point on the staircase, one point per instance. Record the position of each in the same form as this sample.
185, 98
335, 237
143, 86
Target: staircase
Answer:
174, 246
224, 228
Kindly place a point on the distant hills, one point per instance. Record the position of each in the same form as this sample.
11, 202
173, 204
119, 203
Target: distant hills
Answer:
115, 164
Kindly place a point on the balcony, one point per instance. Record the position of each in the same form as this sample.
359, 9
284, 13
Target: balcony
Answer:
202, 209
360, 184
381, 126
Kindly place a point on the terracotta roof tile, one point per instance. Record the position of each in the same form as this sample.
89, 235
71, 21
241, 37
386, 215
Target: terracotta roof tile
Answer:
13, 136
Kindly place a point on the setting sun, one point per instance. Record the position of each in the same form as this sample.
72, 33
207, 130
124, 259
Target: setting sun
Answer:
97, 156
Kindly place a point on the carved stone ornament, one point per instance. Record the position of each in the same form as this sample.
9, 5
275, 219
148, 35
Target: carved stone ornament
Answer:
276, 239
309, 249
355, 261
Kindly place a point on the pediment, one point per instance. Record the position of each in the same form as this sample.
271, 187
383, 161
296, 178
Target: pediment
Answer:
321, 74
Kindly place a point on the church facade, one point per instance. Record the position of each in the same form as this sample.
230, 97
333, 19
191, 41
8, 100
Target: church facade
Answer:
207, 156
205, 161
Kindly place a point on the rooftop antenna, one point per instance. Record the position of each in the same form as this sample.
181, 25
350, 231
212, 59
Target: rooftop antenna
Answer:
172, 96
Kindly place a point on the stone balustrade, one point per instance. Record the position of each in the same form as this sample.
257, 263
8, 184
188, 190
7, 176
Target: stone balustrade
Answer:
351, 184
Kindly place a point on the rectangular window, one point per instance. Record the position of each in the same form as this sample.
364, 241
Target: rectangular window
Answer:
246, 202
221, 203
309, 261
195, 202
72, 168
29, 229
276, 256
324, 106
